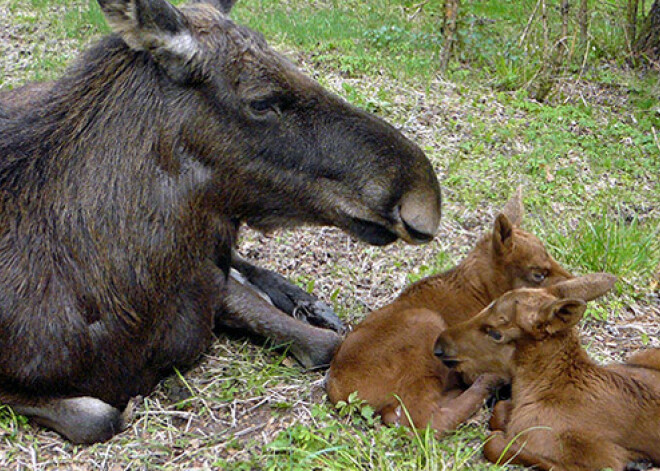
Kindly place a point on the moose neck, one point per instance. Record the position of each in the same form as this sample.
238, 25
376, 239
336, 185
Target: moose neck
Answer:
480, 275
540, 366
459, 293
97, 154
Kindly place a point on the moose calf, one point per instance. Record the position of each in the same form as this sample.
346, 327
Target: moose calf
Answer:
566, 412
391, 352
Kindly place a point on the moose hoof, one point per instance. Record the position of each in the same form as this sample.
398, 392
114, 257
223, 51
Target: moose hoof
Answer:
318, 351
319, 314
80, 419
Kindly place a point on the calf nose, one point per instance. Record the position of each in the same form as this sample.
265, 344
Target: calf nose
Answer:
441, 353
438, 351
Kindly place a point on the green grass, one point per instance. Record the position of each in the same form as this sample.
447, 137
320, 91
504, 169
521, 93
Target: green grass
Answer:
611, 243
358, 441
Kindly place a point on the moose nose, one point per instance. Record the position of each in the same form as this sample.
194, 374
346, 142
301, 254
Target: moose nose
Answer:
420, 215
440, 352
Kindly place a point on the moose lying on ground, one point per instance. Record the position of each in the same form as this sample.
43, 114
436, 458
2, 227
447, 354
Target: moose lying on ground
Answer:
391, 352
566, 412
122, 188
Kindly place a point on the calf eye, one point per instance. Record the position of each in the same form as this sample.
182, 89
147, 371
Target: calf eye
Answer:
495, 335
538, 277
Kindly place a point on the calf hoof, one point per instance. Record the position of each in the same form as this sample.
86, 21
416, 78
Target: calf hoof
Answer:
638, 466
489, 382
80, 419
318, 350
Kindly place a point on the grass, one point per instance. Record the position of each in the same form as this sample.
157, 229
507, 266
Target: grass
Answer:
588, 159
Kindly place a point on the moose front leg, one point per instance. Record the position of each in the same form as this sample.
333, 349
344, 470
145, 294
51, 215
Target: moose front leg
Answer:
457, 410
286, 296
501, 415
243, 308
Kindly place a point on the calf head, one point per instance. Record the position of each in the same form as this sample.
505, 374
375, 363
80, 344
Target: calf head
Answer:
510, 257
274, 147
487, 342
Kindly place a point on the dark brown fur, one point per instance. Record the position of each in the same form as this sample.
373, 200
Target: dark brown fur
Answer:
566, 412
391, 351
122, 186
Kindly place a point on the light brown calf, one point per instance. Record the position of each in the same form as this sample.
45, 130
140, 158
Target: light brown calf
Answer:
566, 412
391, 352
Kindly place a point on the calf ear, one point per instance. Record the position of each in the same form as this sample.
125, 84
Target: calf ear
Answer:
502, 235
514, 208
155, 26
560, 315
224, 6
586, 287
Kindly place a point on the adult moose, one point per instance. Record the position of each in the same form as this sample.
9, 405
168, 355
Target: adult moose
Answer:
122, 186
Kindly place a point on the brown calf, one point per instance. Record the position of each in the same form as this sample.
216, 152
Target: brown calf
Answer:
391, 352
566, 412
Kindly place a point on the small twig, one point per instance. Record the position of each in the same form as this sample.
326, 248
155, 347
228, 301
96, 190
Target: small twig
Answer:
529, 24
245, 431
418, 8
655, 139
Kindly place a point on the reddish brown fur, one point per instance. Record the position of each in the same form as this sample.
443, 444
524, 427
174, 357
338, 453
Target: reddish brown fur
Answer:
391, 352
566, 412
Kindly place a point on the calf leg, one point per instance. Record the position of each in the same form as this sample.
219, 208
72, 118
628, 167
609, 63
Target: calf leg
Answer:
501, 415
569, 451
80, 419
243, 308
288, 297
457, 410
499, 449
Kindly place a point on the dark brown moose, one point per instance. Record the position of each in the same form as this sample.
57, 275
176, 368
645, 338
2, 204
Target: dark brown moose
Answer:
566, 412
122, 187
391, 352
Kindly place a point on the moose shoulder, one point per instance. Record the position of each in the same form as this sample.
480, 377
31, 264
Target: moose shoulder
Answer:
123, 183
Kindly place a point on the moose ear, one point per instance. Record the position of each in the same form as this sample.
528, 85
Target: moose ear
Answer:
224, 6
514, 208
158, 27
560, 315
502, 235
586, 287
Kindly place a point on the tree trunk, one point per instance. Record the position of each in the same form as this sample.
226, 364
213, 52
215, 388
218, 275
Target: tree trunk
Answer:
583, 21
647, 44
450, 26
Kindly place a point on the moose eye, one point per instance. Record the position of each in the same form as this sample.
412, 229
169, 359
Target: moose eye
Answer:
265, 106
538, 277
494, 334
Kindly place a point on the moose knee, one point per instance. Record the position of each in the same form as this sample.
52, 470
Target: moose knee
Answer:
79, 419
501, 414
494, 448
317, 348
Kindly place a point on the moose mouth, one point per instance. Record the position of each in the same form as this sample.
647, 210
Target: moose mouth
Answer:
450, 362
371, 232
378, 234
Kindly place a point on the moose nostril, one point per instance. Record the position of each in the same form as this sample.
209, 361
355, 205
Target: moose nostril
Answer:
420, 215
439, 352
415, 234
